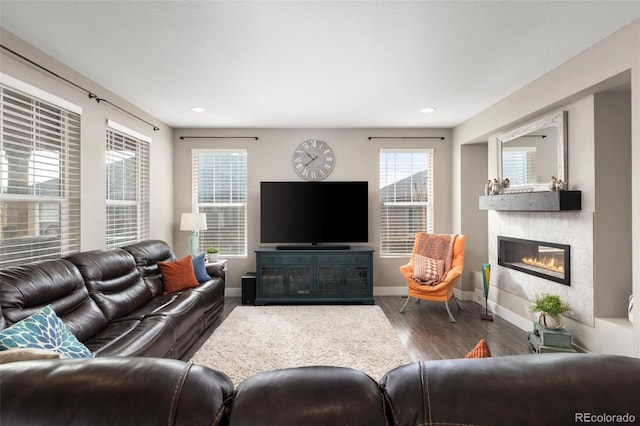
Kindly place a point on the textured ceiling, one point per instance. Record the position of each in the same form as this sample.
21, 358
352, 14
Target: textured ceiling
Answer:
311, 63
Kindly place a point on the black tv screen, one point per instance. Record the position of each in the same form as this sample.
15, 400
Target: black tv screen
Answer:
314, 212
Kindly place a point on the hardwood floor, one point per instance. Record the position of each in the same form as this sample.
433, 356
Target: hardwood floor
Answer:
426, 332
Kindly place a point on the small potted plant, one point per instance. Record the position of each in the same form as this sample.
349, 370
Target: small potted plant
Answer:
212, 254
551, 308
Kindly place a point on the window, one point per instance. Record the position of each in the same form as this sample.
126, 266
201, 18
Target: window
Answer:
39, 175
127, 158
219, 182
406, 199
519, 165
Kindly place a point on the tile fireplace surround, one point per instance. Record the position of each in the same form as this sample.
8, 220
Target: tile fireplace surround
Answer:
571, 228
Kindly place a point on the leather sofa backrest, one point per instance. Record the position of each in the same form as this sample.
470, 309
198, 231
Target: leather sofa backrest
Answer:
309, 396
27, 289
113, 281
112, 391
532, 389
147, 254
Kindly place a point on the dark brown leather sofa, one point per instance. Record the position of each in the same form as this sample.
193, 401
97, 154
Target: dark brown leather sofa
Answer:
113, 301
547, 389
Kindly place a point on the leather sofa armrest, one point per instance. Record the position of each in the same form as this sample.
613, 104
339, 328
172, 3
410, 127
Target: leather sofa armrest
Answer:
216, 270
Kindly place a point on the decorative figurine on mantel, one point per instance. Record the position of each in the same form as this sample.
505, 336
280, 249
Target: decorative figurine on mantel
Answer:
495, 186
556, 184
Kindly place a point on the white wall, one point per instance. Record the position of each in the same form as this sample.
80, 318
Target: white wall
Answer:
269, 159
93, 135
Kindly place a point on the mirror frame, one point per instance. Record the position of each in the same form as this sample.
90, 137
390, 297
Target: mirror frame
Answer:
557, 120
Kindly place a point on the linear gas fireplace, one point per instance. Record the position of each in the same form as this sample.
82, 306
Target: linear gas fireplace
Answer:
541, 259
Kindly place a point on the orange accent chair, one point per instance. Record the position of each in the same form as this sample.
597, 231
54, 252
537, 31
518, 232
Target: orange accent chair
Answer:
442, 291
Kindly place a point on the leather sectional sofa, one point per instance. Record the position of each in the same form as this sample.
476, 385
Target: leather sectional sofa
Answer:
545, 389
113, 301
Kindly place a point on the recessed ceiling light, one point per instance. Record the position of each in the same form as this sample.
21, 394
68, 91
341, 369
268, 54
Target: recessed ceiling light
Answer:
197, 109
427, 110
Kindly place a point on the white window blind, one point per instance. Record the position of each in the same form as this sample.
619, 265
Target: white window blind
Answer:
127, 166
406, 199
219, 182
39, 178
519, 165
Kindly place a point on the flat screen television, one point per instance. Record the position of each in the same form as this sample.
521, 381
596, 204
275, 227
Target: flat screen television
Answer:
310, 214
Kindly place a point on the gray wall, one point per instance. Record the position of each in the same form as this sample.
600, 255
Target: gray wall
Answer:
473, 172
612, 245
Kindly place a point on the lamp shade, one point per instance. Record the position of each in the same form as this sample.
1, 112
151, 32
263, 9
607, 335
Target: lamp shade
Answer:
193, 222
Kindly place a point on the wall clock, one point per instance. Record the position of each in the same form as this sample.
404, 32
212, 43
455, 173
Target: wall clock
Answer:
313, 160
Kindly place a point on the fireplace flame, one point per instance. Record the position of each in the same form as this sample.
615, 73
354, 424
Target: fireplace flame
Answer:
550, 264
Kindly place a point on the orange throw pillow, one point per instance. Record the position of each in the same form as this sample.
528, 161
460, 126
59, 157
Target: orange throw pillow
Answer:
480, 351
178, 275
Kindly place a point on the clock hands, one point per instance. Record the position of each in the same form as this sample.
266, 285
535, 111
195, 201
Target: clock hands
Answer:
312, 159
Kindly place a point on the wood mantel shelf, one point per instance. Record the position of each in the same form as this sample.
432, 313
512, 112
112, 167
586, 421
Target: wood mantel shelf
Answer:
549, 201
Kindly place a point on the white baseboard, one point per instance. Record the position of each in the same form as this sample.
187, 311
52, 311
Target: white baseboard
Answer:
390, 291
522, 323
233, 292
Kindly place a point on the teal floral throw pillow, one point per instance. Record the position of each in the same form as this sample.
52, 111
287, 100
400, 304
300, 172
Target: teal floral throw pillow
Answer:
43, 330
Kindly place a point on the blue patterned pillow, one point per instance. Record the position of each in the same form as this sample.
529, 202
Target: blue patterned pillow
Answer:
200, 268
43, 330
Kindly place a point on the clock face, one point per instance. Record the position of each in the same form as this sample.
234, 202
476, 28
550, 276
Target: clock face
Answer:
313, 160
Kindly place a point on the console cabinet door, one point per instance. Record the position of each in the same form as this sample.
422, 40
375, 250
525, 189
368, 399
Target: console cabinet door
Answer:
330, 278
284, 276
357, 281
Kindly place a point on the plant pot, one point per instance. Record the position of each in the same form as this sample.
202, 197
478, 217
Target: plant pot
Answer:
549, 321
212, 257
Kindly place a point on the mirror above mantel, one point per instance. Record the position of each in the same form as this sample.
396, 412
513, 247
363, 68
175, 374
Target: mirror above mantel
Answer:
530, 155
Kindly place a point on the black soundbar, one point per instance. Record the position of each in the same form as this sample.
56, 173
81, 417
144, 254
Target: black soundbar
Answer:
313, 247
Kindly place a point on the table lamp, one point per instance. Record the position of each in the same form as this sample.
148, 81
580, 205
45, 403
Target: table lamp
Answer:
193, 222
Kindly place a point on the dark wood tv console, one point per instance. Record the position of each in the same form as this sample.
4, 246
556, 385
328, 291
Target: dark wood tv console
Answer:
314, 276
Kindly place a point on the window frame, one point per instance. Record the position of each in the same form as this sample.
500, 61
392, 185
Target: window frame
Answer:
211, 237
48, 127
119, 232
419, 213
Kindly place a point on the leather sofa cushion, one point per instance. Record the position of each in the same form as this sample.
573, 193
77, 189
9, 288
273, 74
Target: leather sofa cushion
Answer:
151, 336
113, 281
113, 391
184, 310
28, 289
310, 396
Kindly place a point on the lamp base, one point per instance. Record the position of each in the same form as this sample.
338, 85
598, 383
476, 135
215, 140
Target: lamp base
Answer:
486, 317
194, 243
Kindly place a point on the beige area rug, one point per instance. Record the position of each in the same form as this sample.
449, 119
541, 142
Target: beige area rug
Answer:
253, 339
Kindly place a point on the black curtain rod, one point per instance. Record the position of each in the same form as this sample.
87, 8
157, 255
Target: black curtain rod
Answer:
534, 136
218, 137
77, 86
406, 137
